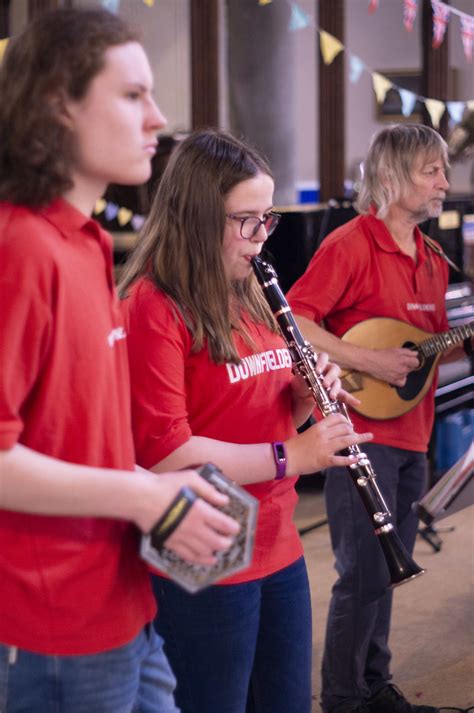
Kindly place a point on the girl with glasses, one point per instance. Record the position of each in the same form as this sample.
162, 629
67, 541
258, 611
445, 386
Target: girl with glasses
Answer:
212, 381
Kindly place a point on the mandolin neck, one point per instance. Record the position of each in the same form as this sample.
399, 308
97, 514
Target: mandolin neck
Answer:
440, 342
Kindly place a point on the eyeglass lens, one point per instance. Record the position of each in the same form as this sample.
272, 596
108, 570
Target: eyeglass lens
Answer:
251, 225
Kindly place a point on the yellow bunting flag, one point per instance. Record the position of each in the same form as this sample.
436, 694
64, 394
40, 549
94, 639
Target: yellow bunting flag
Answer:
381, 86
435, 109
264, 2
3, 47
99, 206
124, 216
330, 46
150, 3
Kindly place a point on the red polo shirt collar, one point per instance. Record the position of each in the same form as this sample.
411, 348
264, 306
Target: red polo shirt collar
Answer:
68, 220
70, 223
381, 235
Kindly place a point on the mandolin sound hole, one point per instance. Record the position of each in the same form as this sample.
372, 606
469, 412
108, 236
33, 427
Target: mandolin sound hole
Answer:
416, 380
414, 348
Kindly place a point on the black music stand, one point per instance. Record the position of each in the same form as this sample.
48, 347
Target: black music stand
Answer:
452, 492
431, 535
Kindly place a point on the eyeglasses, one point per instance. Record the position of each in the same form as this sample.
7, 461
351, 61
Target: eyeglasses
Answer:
250, 224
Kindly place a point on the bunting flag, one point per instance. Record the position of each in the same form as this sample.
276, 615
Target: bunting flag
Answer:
373, 4
123, 215
298, 20
3, 47
149, 3
436, 109
408, 101
467, 34
381, 86
356, 68
100, 206
111, 5
264, 2
111, 211
137, 221
409, 13
440, 21
330, 46
456, 110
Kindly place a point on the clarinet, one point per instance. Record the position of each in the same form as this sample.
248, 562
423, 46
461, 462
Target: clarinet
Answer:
401, 566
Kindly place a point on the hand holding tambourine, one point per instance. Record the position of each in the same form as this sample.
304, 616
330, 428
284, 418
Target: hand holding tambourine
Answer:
242, 506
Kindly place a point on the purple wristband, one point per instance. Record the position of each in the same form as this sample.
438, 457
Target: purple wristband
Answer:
279, 454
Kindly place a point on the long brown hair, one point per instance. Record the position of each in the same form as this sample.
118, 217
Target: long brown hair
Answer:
54, 59
180, 248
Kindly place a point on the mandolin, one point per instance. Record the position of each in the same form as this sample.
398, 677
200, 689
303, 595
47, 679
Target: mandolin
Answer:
379, 399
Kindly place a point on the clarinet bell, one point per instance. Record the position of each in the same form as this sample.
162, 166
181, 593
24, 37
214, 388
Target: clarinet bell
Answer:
401, 566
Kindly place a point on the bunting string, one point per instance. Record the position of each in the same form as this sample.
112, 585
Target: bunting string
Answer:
450, 8
114, 5
124, 216
441, 16
331, 46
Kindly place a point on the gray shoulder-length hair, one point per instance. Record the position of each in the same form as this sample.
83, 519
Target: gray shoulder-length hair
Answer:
387, 170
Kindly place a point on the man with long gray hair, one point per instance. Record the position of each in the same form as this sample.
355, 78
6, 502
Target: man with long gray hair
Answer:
378, 265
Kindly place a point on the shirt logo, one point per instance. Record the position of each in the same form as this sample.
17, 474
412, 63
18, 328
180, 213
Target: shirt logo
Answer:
115, 335
420, 307
258, 363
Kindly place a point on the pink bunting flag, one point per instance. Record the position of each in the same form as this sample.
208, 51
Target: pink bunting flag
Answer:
467, 34
409, 13
440, 21
373, 4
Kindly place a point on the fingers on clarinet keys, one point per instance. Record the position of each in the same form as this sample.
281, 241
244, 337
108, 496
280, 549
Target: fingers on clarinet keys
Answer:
193, 577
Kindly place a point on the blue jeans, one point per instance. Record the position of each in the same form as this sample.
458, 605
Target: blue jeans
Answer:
134, 678
356, 661
242, 647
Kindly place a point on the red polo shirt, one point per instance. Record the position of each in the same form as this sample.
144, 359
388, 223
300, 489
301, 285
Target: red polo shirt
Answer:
358, 273
177, 392
67, 585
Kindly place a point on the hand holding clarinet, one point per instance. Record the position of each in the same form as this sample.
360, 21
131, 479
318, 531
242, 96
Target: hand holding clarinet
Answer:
401, 566
319, 446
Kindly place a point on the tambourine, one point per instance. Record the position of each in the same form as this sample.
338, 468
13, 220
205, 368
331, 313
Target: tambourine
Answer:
242, 506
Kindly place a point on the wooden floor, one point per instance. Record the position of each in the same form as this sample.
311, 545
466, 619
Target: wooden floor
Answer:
432, 636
